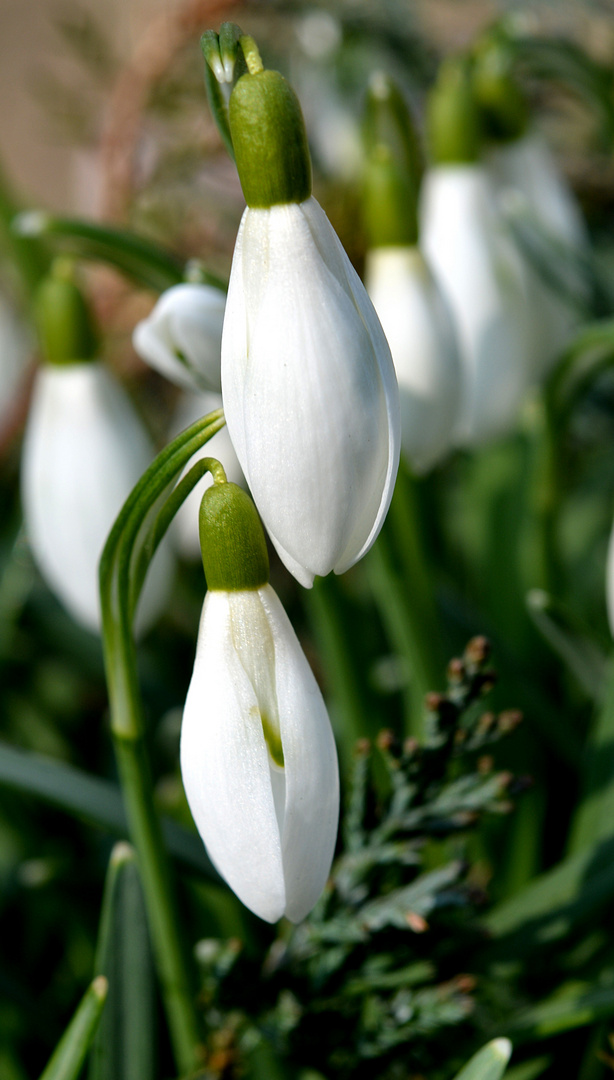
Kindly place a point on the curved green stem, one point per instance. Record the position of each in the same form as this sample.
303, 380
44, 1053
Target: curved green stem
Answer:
127, 554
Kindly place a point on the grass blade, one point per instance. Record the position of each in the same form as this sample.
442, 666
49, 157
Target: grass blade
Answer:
97, 801
69, 1055
489, 1063
124, 1045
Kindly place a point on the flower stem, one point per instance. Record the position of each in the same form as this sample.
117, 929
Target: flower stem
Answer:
131, 546
156, 876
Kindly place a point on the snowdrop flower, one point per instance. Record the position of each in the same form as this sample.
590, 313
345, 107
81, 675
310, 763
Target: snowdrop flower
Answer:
526, 181
84, 450
410, 304
527, 178
258, 757
181, 337
309, 390
184, 528
422, 336
478, 270
526, 165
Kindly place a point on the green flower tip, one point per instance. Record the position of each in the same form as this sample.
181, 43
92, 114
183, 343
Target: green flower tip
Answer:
453, 117
66, 329
502, 103
232, 540
393, 167
269, 138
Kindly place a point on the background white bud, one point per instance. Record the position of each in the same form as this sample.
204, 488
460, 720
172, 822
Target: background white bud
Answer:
309, 389
258, 757
181, 337
84, 450
525, 170
482, 277
422, 336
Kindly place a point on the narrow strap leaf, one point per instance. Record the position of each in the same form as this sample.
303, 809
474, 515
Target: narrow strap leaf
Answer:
124, 1045
489, 1063
594, 817
70, 1053
97, 801
581, 655
145, 262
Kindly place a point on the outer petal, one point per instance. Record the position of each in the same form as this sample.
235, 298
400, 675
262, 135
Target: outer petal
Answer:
483, 281
184, 528
311, 771
527, 165
225, 768
181, 338
309, 390
422, 336
84, 450
526, 177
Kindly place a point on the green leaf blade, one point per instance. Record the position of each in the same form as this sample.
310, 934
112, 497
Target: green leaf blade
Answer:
67, 1059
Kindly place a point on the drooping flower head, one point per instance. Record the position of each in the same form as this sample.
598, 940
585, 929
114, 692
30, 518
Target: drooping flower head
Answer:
530, 185
308, 383
181, 337
480, 273
84, 450
414, 313
258, 757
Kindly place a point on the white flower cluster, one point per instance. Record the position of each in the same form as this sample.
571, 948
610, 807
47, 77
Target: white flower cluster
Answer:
315, 419
471, 326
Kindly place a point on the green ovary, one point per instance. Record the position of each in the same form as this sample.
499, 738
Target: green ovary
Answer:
273, 740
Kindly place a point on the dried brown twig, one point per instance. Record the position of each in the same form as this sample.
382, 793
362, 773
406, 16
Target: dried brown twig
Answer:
156, 49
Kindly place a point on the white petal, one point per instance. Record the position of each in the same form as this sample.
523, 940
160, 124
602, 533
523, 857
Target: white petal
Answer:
527, 165
526, 177
309, 390
181, 338
84, 449
311, 770
270, 831
419, 326
225, 768
482, 279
